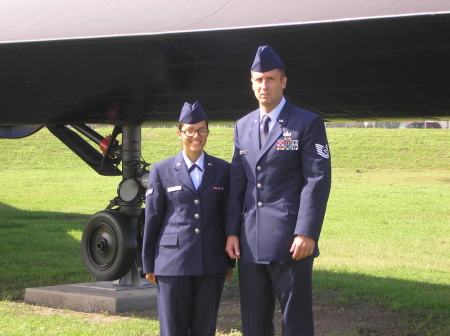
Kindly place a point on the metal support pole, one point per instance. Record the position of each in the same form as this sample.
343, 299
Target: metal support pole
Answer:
131, 155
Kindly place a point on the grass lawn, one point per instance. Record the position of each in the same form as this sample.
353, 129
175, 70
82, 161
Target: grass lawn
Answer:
385, 240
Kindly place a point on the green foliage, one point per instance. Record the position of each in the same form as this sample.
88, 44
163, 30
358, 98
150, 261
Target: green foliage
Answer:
391, 149
385, 239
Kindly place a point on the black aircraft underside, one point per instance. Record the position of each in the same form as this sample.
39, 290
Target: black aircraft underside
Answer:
345, 60
66, 63
392, 68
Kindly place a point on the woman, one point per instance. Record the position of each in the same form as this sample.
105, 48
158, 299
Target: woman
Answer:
184, 235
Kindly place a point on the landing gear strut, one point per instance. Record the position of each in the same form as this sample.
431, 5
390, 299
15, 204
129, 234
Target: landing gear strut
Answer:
112, 238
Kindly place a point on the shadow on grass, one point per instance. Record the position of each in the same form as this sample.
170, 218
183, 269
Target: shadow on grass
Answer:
9, 212
39, 248
411, 307
387, 292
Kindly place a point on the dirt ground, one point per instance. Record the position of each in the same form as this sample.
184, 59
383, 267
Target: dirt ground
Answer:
329, 320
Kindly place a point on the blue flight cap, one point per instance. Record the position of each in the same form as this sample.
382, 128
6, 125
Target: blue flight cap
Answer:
266, 60
192, 114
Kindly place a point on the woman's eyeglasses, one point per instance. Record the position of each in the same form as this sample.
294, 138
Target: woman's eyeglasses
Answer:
191, 132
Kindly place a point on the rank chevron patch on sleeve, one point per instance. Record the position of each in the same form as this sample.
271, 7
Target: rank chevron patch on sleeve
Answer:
323, 151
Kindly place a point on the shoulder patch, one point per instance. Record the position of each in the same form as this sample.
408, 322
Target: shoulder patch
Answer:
323, 151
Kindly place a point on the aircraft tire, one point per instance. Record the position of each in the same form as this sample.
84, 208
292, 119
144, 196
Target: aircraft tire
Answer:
109, 245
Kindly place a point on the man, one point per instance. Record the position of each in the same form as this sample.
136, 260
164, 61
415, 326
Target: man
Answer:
279, 186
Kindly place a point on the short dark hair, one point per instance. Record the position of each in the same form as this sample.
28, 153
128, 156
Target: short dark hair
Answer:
180, 125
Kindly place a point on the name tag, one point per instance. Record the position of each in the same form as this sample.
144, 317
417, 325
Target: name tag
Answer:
172, 189
243, 152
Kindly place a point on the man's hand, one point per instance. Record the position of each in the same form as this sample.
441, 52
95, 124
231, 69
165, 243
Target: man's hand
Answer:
232, 247
152, 278
302, 247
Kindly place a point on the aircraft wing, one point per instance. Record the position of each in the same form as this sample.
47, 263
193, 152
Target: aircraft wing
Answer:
137, 61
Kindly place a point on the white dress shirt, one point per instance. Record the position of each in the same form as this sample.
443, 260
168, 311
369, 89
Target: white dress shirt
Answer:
274, 114
196, 174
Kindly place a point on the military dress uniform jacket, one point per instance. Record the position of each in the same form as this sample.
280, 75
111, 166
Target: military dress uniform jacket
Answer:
184, 232
280, 190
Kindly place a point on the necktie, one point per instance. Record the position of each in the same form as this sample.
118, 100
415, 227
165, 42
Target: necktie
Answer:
265, 129
193, 167
195, 175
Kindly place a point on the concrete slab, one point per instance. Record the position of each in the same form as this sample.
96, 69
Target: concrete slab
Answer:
94, 297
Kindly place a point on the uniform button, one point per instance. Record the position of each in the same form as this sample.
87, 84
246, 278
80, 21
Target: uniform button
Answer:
197, 231
196, 201
258, 168
259, 185
260, 204
197, 216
